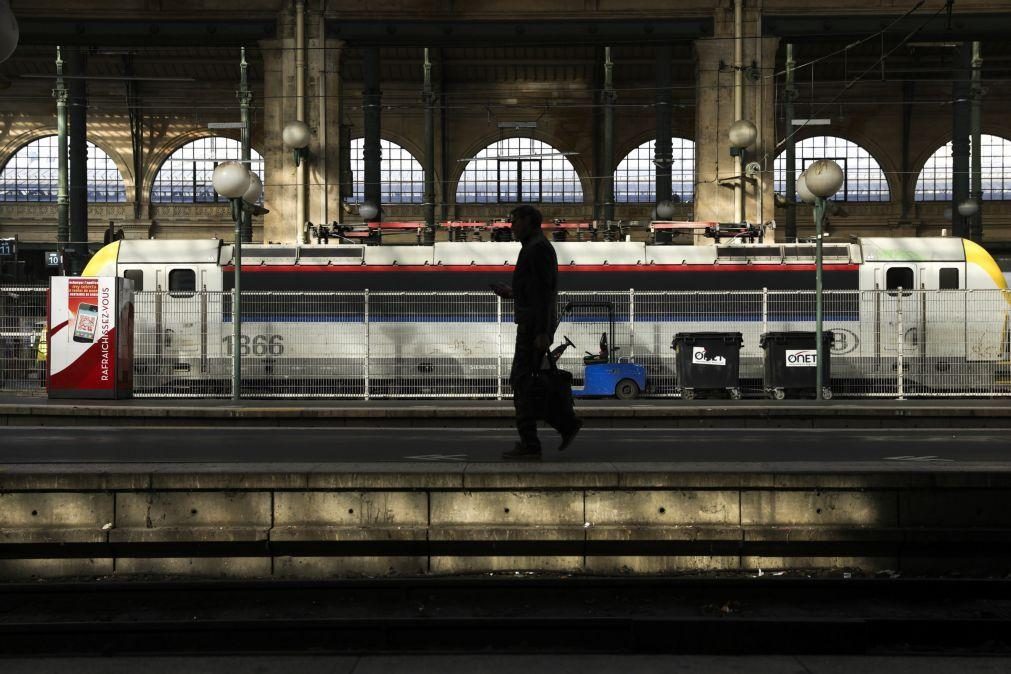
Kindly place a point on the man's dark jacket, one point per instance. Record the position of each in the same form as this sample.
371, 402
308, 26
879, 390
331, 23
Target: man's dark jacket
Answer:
535, 286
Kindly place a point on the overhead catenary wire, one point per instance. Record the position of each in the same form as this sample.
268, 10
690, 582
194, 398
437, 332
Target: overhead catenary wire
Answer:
459, 105
859, 77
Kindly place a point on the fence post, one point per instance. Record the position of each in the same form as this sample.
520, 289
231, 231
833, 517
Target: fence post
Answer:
498, 350
159, 327
765, 310
203, 329
368, 345
899, 351
631, 324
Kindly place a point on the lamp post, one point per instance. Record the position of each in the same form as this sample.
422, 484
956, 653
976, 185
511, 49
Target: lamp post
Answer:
665, 210
967, 209
245, 96
62, 95
9, 31
742, 135
368, 210
234, 181
296, 136
821, 180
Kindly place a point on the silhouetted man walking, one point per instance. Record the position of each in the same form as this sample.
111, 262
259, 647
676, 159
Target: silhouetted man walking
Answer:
534, 291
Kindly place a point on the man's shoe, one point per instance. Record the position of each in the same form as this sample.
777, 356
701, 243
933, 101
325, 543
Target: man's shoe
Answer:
570, 435
522, 452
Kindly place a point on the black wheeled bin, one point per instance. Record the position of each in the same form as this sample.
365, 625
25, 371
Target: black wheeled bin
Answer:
791, 363
708, 361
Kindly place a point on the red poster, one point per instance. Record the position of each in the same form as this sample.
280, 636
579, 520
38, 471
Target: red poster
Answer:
90, 356
82, 305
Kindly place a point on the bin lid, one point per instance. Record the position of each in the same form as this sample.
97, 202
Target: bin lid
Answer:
794, 336
733, 337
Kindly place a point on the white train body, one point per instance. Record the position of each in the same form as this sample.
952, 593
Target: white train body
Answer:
430, 321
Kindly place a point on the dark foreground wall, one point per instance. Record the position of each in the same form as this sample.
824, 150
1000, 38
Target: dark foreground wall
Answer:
417, 519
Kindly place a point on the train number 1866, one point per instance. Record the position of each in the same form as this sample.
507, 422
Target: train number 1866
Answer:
258, 345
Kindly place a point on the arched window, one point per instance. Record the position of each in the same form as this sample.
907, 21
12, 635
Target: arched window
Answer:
865, 181
32, 174
518, 170
185, 177
934, 183
402, 180
635, 177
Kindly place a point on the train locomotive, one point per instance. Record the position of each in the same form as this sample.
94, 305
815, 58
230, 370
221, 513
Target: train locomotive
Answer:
332, 320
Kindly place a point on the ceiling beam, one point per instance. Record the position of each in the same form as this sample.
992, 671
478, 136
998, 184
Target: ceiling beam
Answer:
927, 23
515, 33
144, 33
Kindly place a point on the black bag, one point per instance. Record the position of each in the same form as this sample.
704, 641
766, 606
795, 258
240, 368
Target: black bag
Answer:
552, 389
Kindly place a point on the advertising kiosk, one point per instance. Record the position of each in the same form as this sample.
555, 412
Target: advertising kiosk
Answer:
90, 337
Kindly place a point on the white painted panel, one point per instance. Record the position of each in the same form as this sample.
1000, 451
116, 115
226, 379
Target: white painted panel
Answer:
140, 251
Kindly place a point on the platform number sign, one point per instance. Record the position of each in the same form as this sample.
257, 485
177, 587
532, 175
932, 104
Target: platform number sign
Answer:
53, 258
8, 247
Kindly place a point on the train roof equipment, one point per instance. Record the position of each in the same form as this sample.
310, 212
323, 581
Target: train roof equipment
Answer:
160, 251
448, 253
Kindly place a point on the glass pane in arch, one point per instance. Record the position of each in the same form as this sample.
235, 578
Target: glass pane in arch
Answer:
185, 177
934, 182
515, 170
32, 174
635, 177
865, 181
401, 177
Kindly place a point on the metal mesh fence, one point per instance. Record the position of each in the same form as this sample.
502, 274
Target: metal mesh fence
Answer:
947, 343
442, 345
404, 344
447, 345
22, 326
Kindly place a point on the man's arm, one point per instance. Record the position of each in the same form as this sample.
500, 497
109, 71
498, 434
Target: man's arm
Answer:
503, 290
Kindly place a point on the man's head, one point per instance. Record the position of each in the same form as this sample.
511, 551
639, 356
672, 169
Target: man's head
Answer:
526, 221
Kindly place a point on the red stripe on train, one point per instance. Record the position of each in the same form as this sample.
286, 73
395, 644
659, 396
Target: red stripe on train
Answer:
565, 268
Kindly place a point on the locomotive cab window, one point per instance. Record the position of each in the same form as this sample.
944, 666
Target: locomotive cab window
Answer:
948, 278
899, 277
137, 276
182, 282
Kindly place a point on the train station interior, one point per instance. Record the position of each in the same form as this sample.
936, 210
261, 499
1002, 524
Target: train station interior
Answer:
442, 90
269, 289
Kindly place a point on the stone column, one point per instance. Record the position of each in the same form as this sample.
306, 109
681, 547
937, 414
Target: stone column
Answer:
372, 153
428, 161
607, 151
279, 173
323, 117
77, 69
322, 107
960, 163
714, 167
663, 152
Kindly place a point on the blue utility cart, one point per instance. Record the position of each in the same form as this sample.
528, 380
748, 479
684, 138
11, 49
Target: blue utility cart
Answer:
604, 374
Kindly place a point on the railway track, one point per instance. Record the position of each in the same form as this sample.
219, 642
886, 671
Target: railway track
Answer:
511, 614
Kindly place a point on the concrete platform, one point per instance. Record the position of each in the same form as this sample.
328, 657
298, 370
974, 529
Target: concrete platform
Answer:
350, 489
913, 413
720, 449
